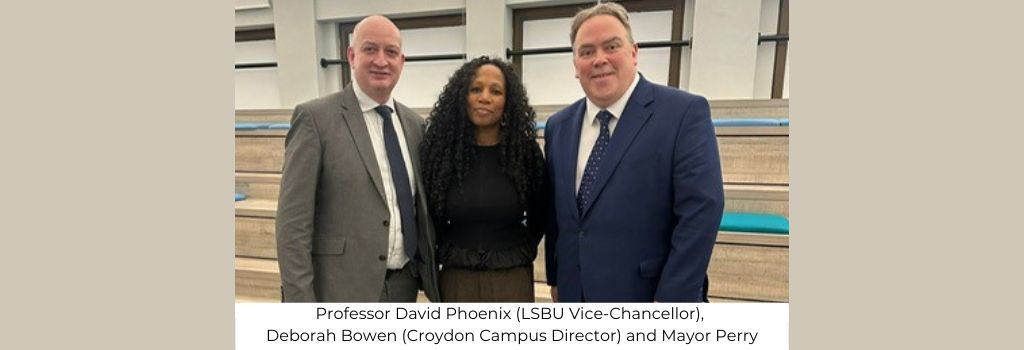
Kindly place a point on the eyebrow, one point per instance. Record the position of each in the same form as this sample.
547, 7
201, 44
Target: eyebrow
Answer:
386, 46
606, 42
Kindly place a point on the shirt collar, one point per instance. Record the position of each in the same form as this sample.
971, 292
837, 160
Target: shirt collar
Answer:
366, 103
615, 108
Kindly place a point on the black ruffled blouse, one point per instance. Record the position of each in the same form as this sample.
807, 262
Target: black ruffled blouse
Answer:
487, 227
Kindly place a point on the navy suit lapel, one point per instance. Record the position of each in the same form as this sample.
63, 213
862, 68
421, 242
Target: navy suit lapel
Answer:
571, 150
633, 118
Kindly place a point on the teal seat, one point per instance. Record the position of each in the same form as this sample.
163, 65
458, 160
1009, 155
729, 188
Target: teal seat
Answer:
251, 126
541, 125
751, 222
745, 122
280, 126
239, 197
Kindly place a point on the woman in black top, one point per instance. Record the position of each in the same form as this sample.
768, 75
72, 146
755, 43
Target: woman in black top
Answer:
484, 177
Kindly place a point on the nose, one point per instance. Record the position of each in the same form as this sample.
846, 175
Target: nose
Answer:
380, 60
484, 97
600, 59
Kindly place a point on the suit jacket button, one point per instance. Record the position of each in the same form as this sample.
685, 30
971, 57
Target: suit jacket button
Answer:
386, 223
382, 257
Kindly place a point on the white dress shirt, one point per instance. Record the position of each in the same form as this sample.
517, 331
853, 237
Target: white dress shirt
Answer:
375, 125
591, 127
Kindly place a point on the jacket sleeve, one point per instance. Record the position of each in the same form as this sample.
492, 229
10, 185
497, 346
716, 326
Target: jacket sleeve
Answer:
537, 207
698, 202
296, 208
551, 234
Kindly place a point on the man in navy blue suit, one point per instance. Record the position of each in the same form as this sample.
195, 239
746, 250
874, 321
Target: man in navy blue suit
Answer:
637, 182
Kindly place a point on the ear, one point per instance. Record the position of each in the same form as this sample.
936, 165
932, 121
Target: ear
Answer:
351, 54
635, 53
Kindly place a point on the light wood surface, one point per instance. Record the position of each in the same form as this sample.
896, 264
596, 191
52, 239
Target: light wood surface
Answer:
259, 154
745, 160
744, 265
257, 278
263, 115
744, 198
754, 160
254, 238
261, 208
764, 108
749, 272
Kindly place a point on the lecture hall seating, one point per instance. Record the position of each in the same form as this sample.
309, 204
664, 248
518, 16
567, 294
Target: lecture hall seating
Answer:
751, 257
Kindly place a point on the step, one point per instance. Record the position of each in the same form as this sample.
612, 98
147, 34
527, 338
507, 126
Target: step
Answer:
259, 153
743, 198
755, 160
748, 108
254, 237
750, 267
745, 266
254, 221
745, 108
260, 208
263, 115
257, 278
258, 185
769, 199
258, 281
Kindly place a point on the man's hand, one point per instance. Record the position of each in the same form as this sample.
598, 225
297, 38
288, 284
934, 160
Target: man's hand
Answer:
554, 294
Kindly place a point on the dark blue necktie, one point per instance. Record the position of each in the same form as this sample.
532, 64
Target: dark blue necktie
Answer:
400, 176
584, 197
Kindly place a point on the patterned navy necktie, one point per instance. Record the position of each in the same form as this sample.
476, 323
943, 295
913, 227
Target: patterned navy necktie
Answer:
400, 176
584, 196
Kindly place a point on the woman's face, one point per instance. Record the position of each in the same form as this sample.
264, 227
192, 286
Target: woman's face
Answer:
487, 97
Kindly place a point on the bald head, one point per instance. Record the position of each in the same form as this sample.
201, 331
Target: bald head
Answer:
374, 23
376, 57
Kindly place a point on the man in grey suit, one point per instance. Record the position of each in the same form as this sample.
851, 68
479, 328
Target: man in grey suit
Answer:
352, 222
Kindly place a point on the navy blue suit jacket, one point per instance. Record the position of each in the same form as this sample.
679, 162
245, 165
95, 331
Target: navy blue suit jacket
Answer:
649, 232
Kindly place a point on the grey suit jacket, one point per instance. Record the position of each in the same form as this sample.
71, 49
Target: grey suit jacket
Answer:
332, 215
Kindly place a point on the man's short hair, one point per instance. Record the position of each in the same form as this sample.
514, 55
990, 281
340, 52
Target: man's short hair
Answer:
604, 8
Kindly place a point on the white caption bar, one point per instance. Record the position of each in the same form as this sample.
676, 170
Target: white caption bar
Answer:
508, 326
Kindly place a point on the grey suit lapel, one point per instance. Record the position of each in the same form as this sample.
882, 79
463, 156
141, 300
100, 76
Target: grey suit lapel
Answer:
353, 116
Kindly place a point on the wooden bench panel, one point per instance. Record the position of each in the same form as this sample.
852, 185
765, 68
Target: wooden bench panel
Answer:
739, 198
283, 115
258, 185
754, 160
745, 159
737, 273
259, 154
257, 278
256, 208
749, 272
767, 199
254, 238
258, 190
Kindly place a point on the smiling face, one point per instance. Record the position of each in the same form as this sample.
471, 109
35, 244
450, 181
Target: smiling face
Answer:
376, 57
486, 99
605, 59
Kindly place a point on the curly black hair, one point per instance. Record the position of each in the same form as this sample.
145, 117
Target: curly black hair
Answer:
447, 151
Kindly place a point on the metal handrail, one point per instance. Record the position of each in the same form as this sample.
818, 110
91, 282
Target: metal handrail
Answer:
455, 56
547, 50
255, 65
